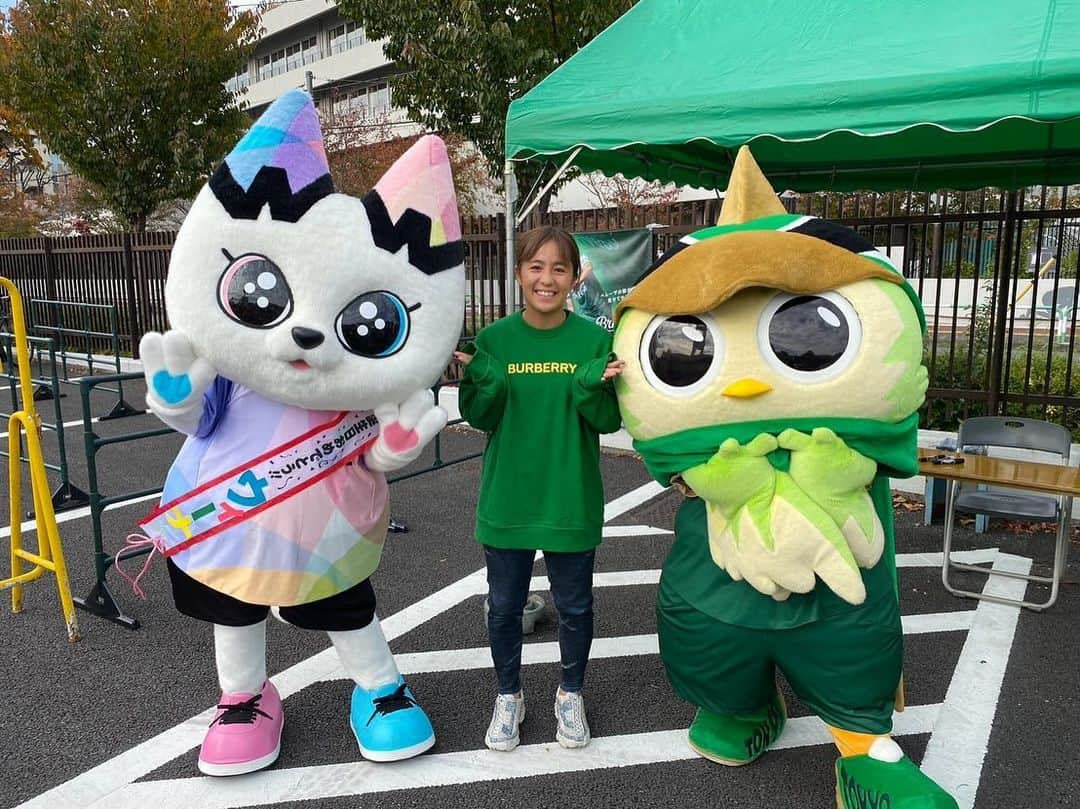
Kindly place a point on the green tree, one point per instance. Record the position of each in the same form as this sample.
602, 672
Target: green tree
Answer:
464, 61
130, 93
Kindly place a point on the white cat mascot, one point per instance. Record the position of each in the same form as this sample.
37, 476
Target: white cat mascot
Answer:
307, 329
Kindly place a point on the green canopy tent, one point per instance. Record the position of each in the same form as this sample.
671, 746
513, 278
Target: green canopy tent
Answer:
829, 94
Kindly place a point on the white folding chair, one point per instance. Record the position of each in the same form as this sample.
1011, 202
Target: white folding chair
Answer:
986, 433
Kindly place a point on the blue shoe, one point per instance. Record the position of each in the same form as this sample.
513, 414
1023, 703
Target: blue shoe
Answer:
388, 723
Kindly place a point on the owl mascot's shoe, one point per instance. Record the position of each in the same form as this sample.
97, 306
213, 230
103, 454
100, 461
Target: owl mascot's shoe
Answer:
306, 329
774, 374
863, 781
740, 739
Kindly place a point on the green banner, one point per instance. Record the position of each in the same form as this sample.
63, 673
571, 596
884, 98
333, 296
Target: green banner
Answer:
611, 263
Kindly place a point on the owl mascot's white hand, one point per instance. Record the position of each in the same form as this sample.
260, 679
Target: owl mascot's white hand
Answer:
176, 379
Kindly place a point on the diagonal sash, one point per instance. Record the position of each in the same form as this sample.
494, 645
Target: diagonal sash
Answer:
261, 483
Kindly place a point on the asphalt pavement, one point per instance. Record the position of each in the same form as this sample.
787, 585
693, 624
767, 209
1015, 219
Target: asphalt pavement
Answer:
114, 719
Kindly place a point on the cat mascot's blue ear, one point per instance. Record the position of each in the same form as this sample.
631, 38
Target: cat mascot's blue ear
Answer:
280, 162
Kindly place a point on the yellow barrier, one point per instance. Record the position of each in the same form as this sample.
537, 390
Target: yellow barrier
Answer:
26, 422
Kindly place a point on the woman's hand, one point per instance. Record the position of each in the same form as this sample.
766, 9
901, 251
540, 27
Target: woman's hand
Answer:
462, 357
613, 369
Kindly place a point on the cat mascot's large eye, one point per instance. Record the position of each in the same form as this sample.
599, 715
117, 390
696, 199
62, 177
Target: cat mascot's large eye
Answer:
375, 324
253, 291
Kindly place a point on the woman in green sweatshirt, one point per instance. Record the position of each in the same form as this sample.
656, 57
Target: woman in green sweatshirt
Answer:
540, 384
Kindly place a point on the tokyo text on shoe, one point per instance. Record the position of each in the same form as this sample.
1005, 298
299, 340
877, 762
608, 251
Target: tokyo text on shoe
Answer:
388, 723
245, 735
572, 729
737, 740
862, 781
504, 731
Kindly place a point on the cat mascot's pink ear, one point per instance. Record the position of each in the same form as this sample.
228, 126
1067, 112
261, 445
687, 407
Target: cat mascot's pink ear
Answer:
414, 203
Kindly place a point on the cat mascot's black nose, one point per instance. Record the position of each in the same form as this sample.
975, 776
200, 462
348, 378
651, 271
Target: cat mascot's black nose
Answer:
306, 338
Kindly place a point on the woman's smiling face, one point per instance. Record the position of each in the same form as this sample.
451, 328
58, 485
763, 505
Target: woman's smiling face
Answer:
546, 278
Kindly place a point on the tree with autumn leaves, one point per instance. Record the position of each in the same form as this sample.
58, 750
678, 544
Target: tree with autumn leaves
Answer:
130, 93
463, 63
20, 165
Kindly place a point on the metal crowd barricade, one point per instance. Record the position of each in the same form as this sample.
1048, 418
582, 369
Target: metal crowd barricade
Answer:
100, 601
67, 495
438, 462
55, 317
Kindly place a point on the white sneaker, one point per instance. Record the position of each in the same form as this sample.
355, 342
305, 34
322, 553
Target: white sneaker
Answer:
573, 729
503, 733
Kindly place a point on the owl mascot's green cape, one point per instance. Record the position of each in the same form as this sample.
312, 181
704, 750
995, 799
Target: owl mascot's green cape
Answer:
774, 374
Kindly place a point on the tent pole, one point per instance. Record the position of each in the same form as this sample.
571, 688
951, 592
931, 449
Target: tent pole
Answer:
998, 350
509, 195
540, 195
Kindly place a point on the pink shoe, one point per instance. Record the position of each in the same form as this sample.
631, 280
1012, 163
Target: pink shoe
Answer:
245, 736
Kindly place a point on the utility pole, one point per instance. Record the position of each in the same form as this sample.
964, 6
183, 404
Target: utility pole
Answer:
309, 83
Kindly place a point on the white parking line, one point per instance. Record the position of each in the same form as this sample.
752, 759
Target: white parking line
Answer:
954, 754
479, 657
631, 500
957, 749
634, 531
75, 423
446, 769
77, 514
982, 556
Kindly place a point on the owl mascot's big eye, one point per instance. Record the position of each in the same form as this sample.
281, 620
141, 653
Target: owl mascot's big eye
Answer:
680, 354
303, 324
774, 374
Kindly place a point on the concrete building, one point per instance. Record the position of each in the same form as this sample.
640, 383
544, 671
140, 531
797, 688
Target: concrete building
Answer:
352, 83
349, 75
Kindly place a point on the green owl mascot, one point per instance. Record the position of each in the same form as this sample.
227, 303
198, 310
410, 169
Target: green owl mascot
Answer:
773, 373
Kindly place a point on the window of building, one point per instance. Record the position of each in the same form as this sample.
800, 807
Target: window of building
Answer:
309, 50
238, 82
292, 56
356, 100
272, 64
345, 36
379, 99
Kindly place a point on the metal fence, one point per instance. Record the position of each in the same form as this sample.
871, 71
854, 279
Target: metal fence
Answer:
996, 272
124, 270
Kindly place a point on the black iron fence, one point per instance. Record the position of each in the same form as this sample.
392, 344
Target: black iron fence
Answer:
997, 273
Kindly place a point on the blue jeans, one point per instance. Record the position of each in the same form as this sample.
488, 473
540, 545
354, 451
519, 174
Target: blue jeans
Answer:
508, 575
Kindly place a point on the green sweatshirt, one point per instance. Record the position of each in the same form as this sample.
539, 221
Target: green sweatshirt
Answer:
538, 394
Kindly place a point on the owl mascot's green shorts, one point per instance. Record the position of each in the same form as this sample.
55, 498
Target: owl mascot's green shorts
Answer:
774, 374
